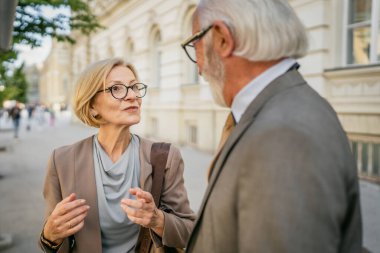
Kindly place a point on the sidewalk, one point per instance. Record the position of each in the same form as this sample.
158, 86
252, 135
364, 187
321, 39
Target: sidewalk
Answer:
23, 167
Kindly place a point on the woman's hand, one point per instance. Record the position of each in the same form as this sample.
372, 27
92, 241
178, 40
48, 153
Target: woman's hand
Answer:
143, 211
66, 219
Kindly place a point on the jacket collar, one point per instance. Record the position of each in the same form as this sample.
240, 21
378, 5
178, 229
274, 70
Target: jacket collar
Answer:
288, 80
85, 187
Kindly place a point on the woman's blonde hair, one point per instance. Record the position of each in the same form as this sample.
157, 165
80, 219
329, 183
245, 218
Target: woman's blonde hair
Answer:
90, 81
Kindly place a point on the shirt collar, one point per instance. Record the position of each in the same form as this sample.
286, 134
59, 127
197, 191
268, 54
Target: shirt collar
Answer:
246, 95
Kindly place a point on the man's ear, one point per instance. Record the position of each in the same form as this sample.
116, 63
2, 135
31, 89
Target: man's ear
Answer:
224, 43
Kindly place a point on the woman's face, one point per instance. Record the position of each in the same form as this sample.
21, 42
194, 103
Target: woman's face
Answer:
118, 112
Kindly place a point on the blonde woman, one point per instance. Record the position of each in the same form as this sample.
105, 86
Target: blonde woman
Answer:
97, 191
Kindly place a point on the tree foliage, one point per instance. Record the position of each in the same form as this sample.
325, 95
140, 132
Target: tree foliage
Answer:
32, 25
18, 86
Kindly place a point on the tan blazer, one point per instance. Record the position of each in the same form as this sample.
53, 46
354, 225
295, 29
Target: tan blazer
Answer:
285, 180
71, 170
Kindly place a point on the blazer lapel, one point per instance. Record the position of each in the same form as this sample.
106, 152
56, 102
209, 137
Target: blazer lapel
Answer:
85, 187
286, 81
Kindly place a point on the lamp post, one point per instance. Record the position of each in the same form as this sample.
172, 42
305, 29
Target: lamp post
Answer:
7, 14
5, 239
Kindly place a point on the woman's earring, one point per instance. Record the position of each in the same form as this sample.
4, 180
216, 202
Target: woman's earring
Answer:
93, 113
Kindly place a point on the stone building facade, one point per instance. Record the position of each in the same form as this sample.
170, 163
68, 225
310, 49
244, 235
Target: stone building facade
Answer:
342, 64
32, 75
55, 77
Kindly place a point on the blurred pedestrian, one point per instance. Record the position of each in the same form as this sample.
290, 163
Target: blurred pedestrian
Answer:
40, 114
97, 191
284, 179
51, 117
30, 110
15, 114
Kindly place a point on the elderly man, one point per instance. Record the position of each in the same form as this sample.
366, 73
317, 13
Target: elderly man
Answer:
284, 178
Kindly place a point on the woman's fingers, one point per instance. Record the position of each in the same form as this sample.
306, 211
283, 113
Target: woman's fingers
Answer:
140, 194
137, 204
142, 210
68, 211
66, 207
74, 223
138, 216
75, 212
69, 198
66, 218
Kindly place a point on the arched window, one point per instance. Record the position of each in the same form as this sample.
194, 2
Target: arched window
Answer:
129, 51
190, 69
156, 57
110, 52
94, 53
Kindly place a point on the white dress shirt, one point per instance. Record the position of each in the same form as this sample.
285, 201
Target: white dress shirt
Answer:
246, 95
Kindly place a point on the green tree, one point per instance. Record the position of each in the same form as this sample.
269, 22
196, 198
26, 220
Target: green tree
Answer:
16, 86
32, 25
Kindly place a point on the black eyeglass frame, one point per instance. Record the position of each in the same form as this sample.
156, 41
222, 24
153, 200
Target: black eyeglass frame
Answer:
194, 38
109, 89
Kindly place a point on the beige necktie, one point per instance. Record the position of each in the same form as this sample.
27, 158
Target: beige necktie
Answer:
227, 129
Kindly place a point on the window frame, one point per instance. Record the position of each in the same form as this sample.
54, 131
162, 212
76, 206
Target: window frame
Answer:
374, 31
156, 54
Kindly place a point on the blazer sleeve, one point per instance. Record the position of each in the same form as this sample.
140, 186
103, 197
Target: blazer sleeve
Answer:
52, 196
179, 218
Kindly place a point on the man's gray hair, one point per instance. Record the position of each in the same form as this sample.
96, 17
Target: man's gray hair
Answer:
263, 30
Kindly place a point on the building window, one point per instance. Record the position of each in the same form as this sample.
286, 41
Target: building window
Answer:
362, 32
65, 84
367, 155
156, 57
190, 68
129, 50
110, 52
192, 132
376, 159
364, 157
154, 127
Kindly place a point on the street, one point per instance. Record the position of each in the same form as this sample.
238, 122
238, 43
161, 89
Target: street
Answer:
22, 168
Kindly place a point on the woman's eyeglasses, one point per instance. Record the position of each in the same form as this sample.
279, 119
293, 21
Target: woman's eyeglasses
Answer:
120, 91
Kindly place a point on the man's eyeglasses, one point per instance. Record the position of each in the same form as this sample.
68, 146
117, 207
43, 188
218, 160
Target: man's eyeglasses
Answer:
120, 91
188, 44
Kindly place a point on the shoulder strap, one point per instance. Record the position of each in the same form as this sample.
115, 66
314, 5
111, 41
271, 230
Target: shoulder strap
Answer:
158, 158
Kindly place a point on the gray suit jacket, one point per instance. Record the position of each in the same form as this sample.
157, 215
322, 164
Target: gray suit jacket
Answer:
285, 180
71, 169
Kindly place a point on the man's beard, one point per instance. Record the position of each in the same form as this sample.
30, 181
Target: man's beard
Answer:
213, 72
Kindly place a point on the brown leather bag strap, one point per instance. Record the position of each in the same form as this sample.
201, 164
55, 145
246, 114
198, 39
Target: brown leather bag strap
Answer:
158, 158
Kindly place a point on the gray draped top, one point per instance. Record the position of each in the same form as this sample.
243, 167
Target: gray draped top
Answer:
113, 181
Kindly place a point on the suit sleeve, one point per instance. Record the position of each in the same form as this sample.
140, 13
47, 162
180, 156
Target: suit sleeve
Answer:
52, 195
179, 218
289, 197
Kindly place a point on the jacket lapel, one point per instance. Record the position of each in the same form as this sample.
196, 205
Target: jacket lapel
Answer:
146, 167
286, 81
85, 187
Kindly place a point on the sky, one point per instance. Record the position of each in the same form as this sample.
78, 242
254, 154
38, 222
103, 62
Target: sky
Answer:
36, 55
